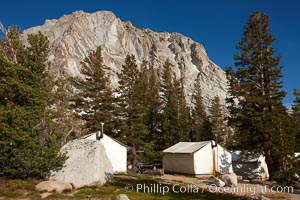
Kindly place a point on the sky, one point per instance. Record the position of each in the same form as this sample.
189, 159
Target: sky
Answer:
217, 24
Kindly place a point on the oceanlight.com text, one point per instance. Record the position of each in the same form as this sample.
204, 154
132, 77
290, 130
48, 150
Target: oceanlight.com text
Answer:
250, 189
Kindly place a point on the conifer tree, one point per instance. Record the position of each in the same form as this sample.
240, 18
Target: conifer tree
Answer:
183, 120
94, 96
170, 107
200, 122
296, 118
153, 105
29, 142
260, 118
176, 113
131, 105
63, 96
218, 125
143, 78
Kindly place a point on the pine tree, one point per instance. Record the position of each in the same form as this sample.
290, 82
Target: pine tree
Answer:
131, 105
218, 125
176, 113
233, 98
200, 121
183, 120
63, 96
170, 107
296, 118
154, 107
260, 118
94, 96
29, 142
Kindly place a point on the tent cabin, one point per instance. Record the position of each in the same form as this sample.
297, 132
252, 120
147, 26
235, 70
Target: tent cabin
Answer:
115, 151
197, 158
250, 166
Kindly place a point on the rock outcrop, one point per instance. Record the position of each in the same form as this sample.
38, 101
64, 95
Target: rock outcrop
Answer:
73, 37
87, 164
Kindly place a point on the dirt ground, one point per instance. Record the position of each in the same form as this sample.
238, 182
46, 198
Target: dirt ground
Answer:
265, 189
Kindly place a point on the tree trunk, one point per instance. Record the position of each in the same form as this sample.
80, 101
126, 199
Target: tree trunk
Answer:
135, 157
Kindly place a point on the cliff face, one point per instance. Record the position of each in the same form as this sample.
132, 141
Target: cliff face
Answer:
73, 36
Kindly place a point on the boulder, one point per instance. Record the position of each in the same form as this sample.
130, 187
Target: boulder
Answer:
87, 164
261, 197
229, 179
45, 195
53, 186
122, 197
219, 182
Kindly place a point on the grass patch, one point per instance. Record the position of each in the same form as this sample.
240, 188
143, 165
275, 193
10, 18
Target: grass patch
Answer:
111, 190
14, 188
59, 196
21, 188
10, 194
17, 184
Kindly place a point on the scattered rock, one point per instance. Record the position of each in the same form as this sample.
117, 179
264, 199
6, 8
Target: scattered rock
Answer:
297, 185
161, 172
219, 182
45, 195
87, 164
239, 178
261, 197
229, 179
53, 186
122, 197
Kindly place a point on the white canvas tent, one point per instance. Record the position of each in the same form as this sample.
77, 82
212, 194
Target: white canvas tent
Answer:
250, 166
116, 151
197, 158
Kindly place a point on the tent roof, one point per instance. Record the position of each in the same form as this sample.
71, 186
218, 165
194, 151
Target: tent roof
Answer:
186, 147
86, 136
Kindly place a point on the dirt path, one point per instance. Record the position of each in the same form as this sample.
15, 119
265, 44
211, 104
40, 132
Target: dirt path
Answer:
243, 189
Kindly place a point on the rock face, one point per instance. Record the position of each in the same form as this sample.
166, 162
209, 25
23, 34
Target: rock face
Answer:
73, 37
53, 186
87, 164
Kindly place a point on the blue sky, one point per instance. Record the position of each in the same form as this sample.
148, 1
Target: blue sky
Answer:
217, 24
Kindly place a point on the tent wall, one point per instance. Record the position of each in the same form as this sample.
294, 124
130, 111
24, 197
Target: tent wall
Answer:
252, 170
203, 161
263, 168
248, 170
223, 160
179, 162
116, 153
